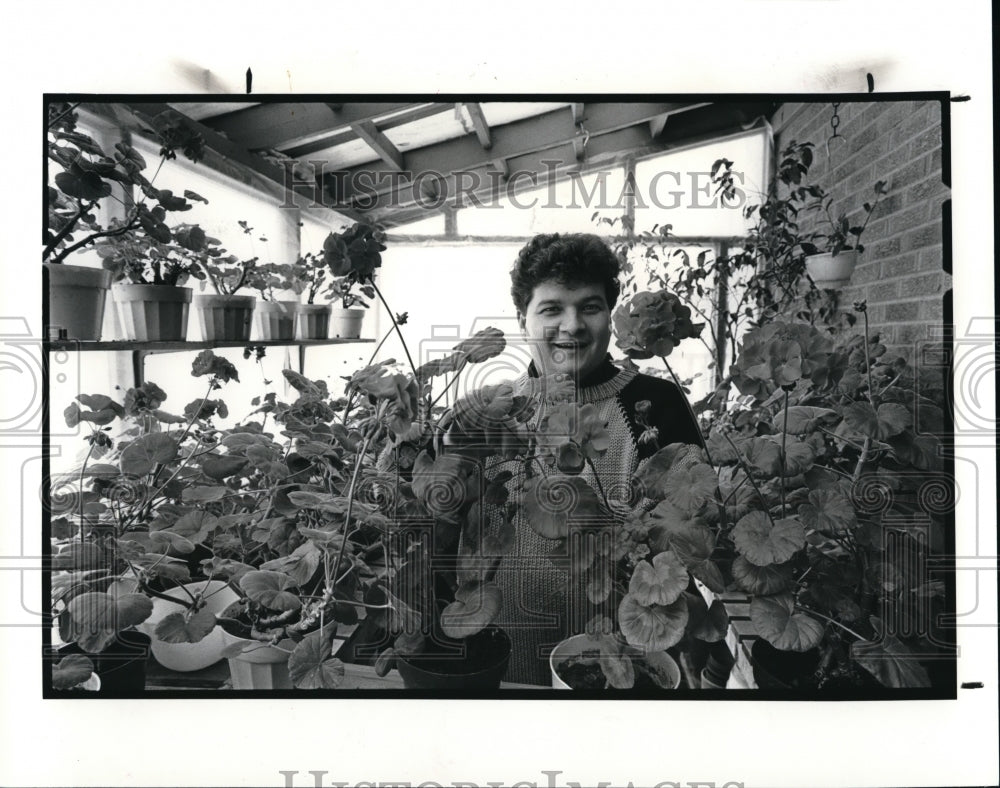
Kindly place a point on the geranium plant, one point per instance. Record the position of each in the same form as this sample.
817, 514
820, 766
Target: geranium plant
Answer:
87, 176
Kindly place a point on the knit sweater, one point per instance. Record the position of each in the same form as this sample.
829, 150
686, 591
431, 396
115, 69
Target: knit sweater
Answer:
544, 599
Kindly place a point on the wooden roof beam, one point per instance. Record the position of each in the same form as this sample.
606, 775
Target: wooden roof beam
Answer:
519, 138
287, 124
379, 143
479, 122
328, 141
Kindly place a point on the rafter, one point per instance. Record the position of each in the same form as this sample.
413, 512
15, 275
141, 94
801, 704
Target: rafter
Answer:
379, 143
283, 125
532, 135
479, 122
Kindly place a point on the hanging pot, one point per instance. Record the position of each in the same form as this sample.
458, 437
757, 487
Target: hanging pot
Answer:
832, 272
224, 318
314, 321
275, 320
76, 296
153, 313
478, 662
186, 657
346, 323
581, 655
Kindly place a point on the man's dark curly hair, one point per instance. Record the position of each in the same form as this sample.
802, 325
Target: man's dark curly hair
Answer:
573, 259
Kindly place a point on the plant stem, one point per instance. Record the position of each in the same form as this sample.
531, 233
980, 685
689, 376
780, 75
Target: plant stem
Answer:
600, 487
832, 621
395, 325
350, 504
784, 436
687, 404
746, 470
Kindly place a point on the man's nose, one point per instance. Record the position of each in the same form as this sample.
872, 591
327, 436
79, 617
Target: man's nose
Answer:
571, 322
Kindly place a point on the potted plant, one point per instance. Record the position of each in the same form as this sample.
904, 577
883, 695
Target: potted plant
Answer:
832, 567
830, 249
151, 264
83, 186
352, 255
308, 274
345, 322
274, 318
225, 316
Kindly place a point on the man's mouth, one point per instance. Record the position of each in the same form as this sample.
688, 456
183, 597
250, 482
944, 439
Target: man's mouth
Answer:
569, 345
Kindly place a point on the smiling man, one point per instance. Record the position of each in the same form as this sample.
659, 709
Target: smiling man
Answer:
565, 288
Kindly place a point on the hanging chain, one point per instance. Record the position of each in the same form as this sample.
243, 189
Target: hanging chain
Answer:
834, 134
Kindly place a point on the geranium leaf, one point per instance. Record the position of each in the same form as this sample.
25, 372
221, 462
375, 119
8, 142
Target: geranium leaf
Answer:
132, 609
552, 503
659, 582
690, 487
763, 580
802, 419
763, 543
92, 620
70, 671
828, 510
270, 589
889, 660
775, 620
186, 627
652, 628
204, 494
144, 453
617, 668
475, 607
219, 468
311, 667
709, 624
695, 551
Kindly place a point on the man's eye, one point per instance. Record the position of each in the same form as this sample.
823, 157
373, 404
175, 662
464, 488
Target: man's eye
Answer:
593, 309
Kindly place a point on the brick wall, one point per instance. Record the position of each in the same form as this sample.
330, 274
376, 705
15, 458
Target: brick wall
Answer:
900, 272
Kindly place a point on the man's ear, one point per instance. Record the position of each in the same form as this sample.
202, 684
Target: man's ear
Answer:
521, 321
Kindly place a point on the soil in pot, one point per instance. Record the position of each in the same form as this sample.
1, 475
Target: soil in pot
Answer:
121, 666
478, 662
260, 666
584, 672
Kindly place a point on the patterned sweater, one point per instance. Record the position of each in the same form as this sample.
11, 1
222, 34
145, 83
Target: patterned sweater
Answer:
543, 599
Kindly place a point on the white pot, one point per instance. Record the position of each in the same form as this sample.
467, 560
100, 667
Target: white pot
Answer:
153, 313
260, 666
185, 657
275, 320
76, 299
832, 272
345, 323
314, 321
225, 318
578, 644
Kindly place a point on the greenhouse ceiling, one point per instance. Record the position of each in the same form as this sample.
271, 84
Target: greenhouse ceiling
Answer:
392, 161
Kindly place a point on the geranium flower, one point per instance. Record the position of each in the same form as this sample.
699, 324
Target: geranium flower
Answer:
653, 324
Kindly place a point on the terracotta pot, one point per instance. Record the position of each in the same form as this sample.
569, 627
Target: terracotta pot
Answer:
578, 645
153, 313
225, 318
275, 320
314, 321
77, 296
832, 272
346, 323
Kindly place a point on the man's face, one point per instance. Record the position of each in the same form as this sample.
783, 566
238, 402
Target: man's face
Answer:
568, 327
